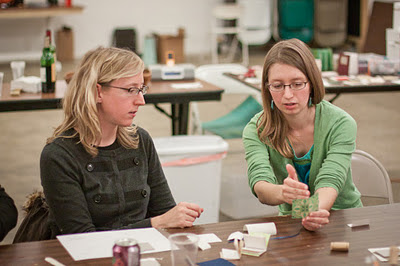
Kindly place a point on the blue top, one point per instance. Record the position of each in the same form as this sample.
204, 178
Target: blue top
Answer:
303, 165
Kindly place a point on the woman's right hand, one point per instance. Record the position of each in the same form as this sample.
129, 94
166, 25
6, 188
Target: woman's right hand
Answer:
182, 215
292, 188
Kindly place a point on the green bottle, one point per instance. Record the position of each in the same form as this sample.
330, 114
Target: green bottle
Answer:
47, 68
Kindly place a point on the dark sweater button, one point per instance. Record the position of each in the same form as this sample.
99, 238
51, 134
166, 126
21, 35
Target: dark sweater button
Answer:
136, 160
97, 198
144, 193
89, 167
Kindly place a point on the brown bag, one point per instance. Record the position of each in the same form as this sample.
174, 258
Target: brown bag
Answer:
35, 225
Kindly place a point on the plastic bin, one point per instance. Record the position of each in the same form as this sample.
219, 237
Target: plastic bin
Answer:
192, 166
238, 202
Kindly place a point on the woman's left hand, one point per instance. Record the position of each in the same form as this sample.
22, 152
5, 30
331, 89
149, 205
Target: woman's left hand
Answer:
315, 220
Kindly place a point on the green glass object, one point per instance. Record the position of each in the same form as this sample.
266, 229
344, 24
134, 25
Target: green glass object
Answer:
47, 68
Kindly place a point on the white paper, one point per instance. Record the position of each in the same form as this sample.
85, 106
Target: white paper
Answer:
149, 262
235, 235
268, 228
359, 223
205, 239
191, 85
99, 244
229, 254
372, 250
209, 238
254, 245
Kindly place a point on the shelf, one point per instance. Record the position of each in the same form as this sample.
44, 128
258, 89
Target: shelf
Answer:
17, 13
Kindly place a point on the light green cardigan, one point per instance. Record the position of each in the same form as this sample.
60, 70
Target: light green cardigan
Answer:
334, 142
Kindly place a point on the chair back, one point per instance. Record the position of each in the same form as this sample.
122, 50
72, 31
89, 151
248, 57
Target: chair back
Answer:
296, 19
370, 177
214, 74
255, 21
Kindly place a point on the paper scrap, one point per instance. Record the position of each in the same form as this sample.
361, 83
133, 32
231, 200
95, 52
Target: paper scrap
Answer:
203, 245
149, 262
189, 85
209, 238
359, 223
302, 207
377, 251
235, 235
229, 254
268, 228
95, 245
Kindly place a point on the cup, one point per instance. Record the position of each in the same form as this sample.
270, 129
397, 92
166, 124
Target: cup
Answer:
1, 81
18, 69
183, 248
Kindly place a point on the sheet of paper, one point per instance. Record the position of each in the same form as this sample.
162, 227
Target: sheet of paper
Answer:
229, 254
363, 222
377, 251
209, 238
302, 207
191, 85
149, 262
235, 235
268, 228
99, 244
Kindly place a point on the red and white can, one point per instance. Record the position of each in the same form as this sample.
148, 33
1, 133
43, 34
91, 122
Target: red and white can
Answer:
126, 252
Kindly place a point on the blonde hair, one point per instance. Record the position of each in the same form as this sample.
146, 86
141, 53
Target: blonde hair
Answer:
272, 126
101, 65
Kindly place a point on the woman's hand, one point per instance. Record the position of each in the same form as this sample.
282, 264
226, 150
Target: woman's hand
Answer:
315, 220
182, 215
292, 188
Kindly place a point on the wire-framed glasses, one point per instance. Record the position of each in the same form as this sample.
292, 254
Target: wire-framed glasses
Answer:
130, 90
279, 87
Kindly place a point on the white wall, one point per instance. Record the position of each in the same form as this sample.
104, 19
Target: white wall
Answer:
95, 25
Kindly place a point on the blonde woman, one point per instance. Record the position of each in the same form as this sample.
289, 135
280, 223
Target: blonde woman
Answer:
300, 144
98, 171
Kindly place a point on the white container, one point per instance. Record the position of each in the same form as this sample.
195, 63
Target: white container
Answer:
238, 202
192, 166
396, 15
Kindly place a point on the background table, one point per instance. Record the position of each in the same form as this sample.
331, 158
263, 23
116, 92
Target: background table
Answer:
337, 88
308, 248
159, 92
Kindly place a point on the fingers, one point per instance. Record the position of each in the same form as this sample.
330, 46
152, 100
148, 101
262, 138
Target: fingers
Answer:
291, 172
194, 209
316, 220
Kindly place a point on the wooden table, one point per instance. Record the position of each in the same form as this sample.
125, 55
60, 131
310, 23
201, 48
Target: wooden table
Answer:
159, 92
308, 248
336, 89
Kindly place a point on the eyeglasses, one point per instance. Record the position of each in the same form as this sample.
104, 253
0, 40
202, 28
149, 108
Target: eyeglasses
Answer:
279, 87
131, 90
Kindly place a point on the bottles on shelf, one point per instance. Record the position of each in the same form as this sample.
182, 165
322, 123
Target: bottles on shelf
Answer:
47, 66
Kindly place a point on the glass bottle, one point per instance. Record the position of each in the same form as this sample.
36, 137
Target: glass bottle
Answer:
47, 68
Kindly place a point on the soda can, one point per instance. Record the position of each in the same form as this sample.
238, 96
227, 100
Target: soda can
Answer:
126, 252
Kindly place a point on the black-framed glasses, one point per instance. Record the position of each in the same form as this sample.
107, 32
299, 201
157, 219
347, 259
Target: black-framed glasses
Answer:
279, 87
130, 90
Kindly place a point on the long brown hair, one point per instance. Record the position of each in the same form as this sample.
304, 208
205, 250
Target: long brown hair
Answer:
101, 65
272, 126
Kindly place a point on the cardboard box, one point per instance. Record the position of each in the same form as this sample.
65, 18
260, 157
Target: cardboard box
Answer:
173, 43
65, 44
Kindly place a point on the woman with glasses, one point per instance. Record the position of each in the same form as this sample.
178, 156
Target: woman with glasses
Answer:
300, 144
98, 171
